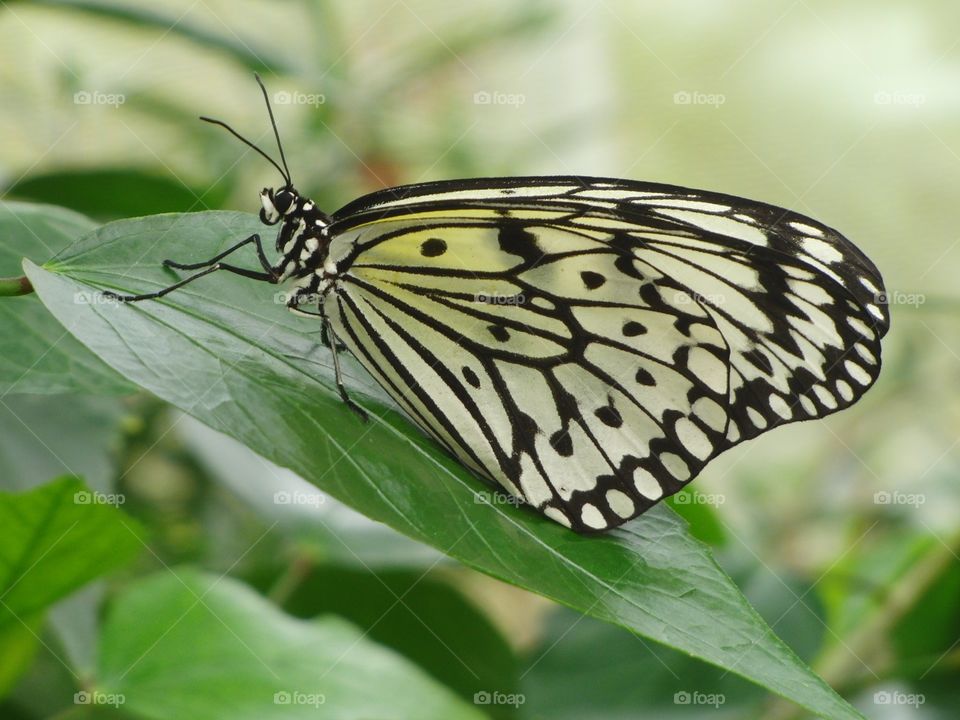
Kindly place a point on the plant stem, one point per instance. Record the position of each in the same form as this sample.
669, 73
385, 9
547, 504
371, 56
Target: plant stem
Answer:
11, 287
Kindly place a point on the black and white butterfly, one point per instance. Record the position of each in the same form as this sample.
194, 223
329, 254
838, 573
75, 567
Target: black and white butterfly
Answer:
587, 344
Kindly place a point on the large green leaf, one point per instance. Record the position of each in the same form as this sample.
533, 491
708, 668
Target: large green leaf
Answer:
110, 193
226, 352
251, 661
39, 356
323, 528
56, 538
566, 679
425, 619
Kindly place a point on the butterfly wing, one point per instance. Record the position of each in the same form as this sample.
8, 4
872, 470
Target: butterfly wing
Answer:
590, 344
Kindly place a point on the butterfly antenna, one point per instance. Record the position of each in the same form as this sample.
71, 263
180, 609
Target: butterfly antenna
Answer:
241, 138
273, 122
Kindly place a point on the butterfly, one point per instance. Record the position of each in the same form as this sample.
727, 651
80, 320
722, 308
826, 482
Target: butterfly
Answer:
586, 344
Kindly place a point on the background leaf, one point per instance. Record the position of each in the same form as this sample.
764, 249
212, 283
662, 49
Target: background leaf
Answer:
57, 538
423, 618
44, 436
39, 356
252, 658
111, 193
224, 353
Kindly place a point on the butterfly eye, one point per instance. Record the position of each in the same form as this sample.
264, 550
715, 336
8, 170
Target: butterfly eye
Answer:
269, 213
284, 201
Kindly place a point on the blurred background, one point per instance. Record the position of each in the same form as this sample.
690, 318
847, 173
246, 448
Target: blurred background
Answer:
842, 532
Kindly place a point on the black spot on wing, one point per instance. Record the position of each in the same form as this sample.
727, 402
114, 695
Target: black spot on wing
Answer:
632, 328
561, 442
433, 247
592, 280
470, 376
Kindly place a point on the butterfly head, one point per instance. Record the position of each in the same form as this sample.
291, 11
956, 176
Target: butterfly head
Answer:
276, 205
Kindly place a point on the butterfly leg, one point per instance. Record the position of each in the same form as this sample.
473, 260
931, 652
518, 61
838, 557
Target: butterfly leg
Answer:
255, 239
255, 275
329, 338
332, 336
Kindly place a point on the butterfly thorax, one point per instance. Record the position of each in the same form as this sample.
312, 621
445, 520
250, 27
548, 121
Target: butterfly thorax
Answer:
302, 241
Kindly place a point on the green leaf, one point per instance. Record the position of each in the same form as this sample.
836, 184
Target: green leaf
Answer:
325, 530
425, 619
56, 539
226, 352
110, 193
18, 646
697, 510
39, 356
253, 661
565, 678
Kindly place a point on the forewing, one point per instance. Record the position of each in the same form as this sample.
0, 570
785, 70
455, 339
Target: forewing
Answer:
589, 344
